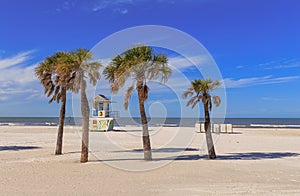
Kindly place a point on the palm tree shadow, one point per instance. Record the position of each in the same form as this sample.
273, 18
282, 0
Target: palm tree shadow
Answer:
256, 155
125, 131
129, 130
231, 156
72, 152
17, 148
174, 158
186, 157
161, 150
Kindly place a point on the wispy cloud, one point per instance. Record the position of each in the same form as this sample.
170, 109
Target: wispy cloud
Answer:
118, 6
16, 77
287, 63
121, 10
239, 67
12, 69
15, 60
281, 64
245, 82
66, 5
286, 66
181, 62
165, 101
122, 6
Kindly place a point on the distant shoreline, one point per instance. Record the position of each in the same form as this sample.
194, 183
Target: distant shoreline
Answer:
156, 122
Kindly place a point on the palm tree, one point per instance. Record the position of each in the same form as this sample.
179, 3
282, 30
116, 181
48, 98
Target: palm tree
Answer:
55, 82
83, 68
201, 90
143, 65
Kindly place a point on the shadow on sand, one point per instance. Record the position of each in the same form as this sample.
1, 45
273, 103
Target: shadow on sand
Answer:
256, 155
17, 148
117, 130
162, 150
232, 156
177, 158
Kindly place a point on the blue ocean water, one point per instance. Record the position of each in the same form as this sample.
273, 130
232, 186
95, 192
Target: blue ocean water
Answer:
236, 122
184, 122
35, 121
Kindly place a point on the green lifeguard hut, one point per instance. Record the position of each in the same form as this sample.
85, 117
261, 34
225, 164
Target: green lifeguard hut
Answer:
102, 118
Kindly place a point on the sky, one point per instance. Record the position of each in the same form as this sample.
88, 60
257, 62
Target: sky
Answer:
254, 43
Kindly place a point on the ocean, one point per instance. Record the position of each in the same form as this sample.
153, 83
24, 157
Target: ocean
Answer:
184, 122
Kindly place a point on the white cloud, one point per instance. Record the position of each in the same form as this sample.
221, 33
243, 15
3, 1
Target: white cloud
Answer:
121, 10
121, 6
21, 75
116, 6
165, 101
17, 79
14, 91
66, 5
285, 66
281, 64
184, 63
244, 82
12, 70
3, 98
15, 60
267, 63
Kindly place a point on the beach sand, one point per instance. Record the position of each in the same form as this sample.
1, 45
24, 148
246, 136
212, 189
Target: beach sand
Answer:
250, 162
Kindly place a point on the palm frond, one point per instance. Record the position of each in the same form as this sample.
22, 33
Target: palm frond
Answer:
49, 90
139, 62
110, 73
188, 93
202, 90
52, 99
57, 89
58, 97
128, 95
217, 100
192, 101
194, 104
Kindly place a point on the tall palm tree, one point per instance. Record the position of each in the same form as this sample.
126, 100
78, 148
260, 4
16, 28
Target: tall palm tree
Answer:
200, 90
142, 65
55, 82
83, 68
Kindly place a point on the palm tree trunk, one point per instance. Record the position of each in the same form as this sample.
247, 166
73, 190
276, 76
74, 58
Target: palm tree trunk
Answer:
209, 140
60, 131
146, 137
85, 123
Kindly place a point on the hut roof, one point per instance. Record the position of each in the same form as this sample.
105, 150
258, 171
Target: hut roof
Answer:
101, 99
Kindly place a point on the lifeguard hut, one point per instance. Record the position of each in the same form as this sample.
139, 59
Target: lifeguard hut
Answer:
102, 118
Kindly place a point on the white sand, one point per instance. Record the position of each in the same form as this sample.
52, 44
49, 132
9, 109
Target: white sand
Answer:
250, 162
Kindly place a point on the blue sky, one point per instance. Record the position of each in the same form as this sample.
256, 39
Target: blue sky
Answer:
256, 45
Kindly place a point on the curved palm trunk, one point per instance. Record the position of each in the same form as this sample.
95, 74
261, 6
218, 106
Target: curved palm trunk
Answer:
60, 131
146, 137
209, 140
85, 123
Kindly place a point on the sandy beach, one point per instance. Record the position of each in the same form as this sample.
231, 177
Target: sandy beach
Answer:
250, 162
